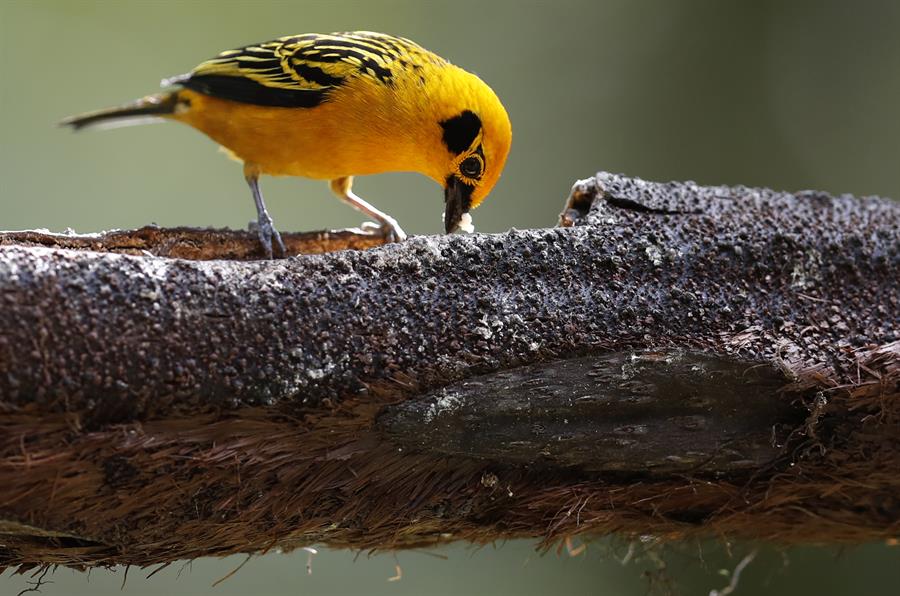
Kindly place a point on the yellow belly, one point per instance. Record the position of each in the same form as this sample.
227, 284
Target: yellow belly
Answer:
334, 139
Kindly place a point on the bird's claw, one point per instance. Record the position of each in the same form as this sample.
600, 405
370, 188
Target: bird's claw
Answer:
389, 229
266, 232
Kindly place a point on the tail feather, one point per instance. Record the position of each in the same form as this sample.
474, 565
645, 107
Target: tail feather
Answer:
152, 108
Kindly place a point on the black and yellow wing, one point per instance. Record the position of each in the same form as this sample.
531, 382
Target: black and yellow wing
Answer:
301, 70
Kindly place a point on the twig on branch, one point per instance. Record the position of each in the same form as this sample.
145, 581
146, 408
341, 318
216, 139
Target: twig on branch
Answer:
195, 244
676, 360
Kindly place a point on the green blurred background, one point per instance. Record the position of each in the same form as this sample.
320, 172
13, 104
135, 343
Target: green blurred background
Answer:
790, 95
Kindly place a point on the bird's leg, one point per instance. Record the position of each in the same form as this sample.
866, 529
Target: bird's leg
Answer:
265, 229
342, 188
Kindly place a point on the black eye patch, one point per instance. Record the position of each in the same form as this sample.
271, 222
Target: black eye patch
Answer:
460, 131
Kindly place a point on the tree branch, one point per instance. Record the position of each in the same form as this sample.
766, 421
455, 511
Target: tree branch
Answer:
675, 360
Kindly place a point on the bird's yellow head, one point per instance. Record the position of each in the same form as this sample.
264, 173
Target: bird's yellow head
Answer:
475, 136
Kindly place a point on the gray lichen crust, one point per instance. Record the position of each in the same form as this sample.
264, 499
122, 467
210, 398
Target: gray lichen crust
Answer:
749, 272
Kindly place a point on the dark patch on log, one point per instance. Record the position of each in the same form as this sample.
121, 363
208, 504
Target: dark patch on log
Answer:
153, 409
640, 413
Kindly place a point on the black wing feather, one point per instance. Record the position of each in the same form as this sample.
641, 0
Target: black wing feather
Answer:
249, 91
301, 71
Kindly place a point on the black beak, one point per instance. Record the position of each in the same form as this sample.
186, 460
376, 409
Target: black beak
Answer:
457, 200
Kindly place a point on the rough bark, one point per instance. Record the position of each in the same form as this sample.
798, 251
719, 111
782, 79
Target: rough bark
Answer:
674, 360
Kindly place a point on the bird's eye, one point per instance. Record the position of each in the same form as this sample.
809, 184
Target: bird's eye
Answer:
471, 167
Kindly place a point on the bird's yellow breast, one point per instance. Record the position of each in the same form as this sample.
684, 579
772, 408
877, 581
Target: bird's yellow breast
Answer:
363, 128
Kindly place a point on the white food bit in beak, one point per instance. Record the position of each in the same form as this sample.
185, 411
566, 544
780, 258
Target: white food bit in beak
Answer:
465, 224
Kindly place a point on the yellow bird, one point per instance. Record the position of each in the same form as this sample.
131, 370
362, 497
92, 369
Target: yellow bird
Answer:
336, 106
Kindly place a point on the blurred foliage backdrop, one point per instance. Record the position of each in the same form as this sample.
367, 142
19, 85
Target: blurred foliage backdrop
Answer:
801, 94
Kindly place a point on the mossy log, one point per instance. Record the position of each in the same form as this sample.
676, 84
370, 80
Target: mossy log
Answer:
672, 360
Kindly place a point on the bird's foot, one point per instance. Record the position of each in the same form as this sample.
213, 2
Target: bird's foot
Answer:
267, 232
389, 228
